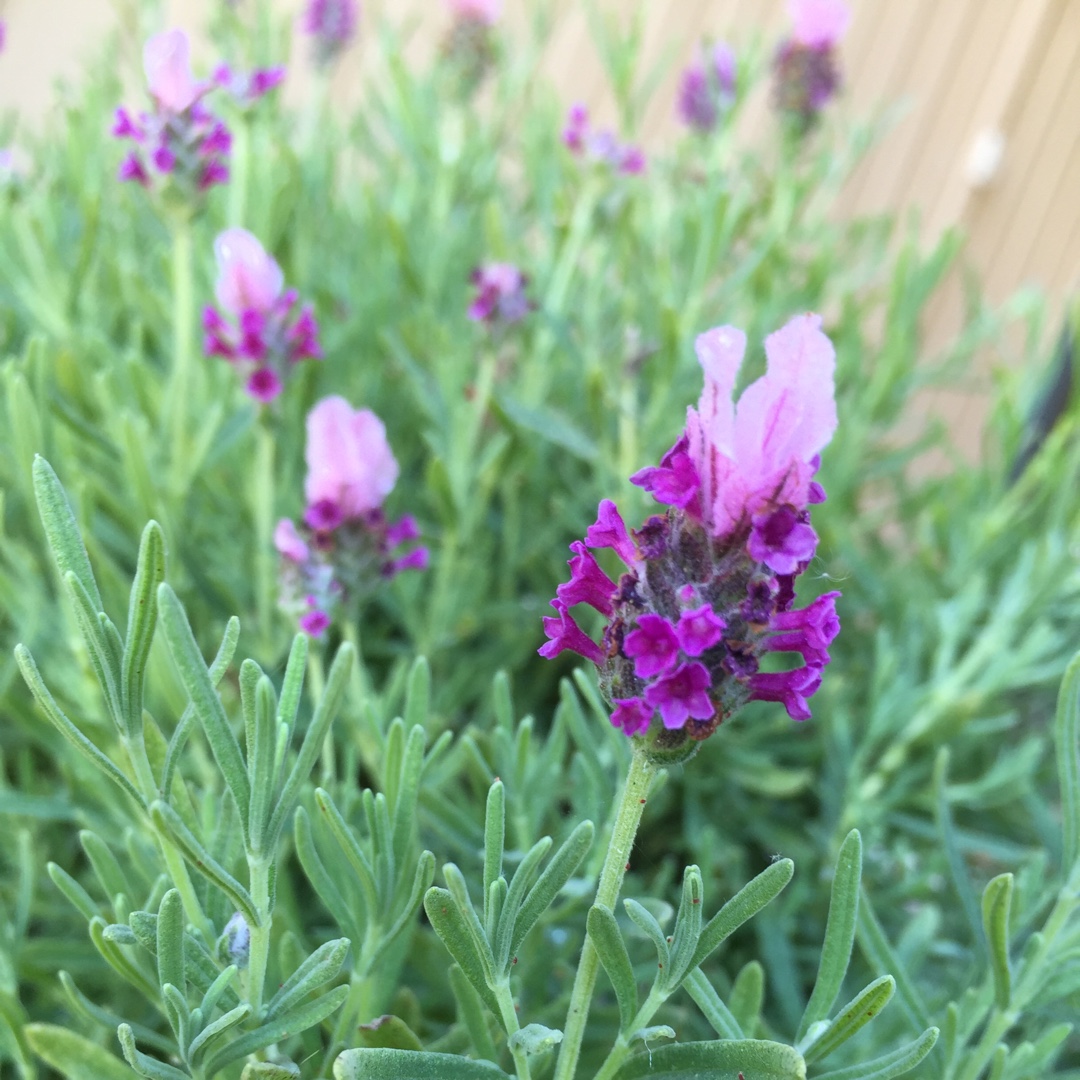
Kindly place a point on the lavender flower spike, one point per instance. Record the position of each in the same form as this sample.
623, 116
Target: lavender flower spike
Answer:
709, 585
500, 294
346, 546
805, 67
262, 330
331, 25
707, 89
179, 142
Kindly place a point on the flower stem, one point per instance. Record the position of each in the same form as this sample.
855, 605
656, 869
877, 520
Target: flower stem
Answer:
259, 872
174, 861
238, 168
627, 819
510, 1022
621, 1048
263, 513
179, 389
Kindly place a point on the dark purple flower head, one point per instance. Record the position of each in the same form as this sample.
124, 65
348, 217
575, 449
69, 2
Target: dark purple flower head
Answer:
500, 294
805, 70
470, 47
331, 25
709, 585
707, 89
179, 143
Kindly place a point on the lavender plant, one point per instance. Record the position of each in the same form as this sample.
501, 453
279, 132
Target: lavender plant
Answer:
221, 870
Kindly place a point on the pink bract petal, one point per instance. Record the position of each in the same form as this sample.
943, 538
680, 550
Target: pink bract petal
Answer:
486, 11
166, 61
761, 454
289, 542
349, 460
248, 278
817, 23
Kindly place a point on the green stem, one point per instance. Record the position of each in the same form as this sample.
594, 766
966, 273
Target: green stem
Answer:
622, 1044
263, 513
179, 388
259, 876
627, 819
1032, 978
316, 681
239, 159
174, 861
510, 1022
568, 261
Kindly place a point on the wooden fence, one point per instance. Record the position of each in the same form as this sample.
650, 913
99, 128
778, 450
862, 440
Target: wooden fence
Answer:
986, 96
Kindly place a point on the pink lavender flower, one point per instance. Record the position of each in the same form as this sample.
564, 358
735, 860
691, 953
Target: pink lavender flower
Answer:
262, 330
601, 146
246, 88
345, 544
331, 25
709, 586
707, 89
485, 11
500, 294
805, 67
179, 141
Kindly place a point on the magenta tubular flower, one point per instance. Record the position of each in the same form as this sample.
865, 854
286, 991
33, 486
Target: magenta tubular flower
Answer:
653, 646
632, 715
500, 298
179, 142
707, 88
331, 25
709, 586
262, 330
346, 546
805, 70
